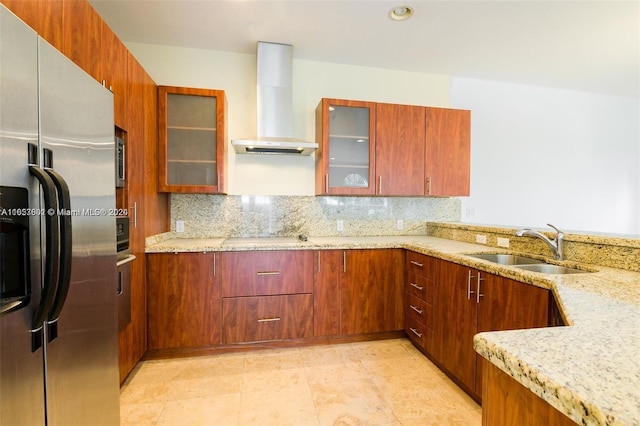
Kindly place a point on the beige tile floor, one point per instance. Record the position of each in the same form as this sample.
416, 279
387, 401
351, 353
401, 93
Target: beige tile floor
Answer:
385, 382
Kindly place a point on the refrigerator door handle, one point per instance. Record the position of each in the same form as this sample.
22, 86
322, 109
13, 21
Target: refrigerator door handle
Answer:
64, 275
51, 250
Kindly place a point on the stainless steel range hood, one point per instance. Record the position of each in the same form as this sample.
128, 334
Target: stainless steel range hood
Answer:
275, 106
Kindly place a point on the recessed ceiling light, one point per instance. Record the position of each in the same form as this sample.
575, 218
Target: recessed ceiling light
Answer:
401, 13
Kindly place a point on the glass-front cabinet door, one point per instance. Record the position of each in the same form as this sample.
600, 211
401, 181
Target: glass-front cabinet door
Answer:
345, 133
191, 140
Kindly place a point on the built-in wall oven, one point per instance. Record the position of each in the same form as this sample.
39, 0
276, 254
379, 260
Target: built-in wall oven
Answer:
123, 263
120, 162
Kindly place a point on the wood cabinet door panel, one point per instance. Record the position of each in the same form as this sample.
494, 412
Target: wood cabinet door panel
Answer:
192, 140
266, 272
400, 149
509, 305
455, 322
328, 272
448, 152
253, 319
113, 69
372, 294
343, 164
82, 36
183, 300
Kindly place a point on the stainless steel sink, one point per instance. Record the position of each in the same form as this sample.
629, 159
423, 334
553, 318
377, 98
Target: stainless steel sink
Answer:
546, 268
506, 259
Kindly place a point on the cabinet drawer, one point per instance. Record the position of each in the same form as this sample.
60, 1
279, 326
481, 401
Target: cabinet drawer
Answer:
251, 319
266, 272
421, 264
416, 331
417, 262
420, 310
420, 286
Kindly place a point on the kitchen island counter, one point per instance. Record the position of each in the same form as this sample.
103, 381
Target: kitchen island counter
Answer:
589, 370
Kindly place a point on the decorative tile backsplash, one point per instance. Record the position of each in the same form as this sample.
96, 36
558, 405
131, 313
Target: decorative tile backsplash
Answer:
263, 216
611, 251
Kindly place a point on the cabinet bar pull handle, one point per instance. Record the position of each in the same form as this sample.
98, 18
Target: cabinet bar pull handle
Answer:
318, 261
469, 291
415, 331
326, 183
478, 294
416, 286
380, 185
268, 273
269, 319
413, 262
214, 264
416, 309
344, 261
429, 186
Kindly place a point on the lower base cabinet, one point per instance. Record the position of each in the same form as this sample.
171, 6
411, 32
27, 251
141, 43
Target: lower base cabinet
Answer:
183, 300
507, 402
465, 302
261, 318
372, 291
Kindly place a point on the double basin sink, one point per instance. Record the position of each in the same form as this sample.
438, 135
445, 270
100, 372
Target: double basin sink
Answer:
526, 263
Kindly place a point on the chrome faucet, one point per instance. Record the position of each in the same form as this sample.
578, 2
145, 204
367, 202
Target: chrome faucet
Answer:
556, 244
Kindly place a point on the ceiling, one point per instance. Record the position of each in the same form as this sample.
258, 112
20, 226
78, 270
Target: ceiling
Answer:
589, 46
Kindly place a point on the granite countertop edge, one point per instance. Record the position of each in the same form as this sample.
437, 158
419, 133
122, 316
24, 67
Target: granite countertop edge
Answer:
550, 362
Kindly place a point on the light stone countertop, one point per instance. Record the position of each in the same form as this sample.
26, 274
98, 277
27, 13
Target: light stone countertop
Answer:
589, 370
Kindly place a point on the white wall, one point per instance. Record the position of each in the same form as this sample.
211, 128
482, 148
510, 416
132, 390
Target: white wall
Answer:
543, 155
236, 75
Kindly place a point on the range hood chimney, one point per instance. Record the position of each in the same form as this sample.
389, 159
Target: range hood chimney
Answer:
275, 106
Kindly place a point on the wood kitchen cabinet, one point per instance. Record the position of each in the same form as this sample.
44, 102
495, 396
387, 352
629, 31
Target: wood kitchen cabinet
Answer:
113, 70
421, 273
507, 402
82, 36
372, 291
467, 302
400, 150
263, 318
368, 148
448, 152
260, 273
267, 295
191, 140
183, 300
345, 159
328, 274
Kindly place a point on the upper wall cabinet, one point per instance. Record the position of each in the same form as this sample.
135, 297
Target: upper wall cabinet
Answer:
400, 148
382, 149
345, 159
448, 151
192, 140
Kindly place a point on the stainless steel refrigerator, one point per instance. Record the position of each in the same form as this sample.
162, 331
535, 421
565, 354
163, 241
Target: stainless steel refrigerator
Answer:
58, 313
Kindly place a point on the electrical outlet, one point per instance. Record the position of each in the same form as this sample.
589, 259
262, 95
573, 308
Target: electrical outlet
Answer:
481, 239
399, 224
179, 225
503, 242
340, 226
